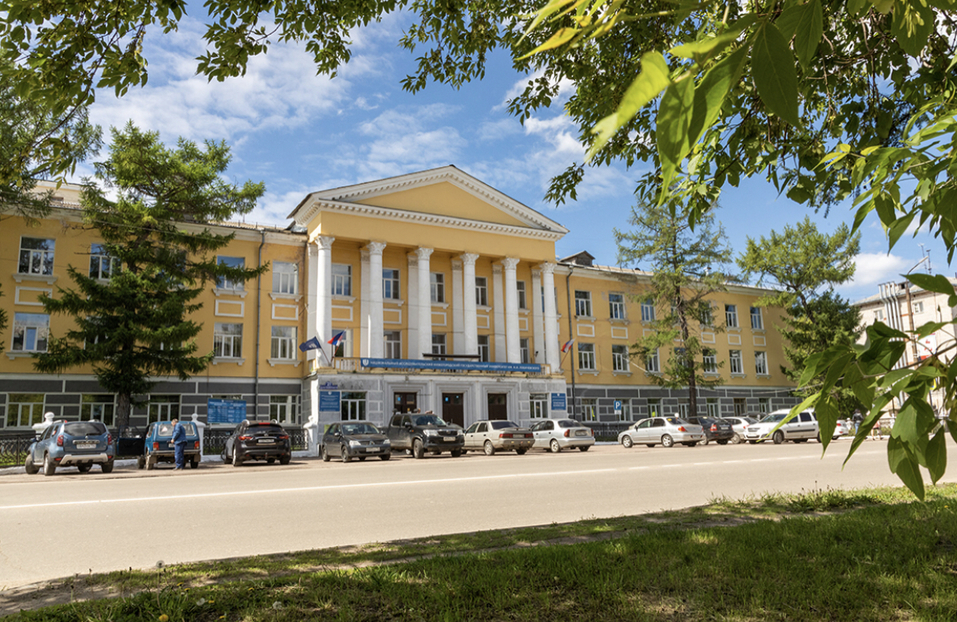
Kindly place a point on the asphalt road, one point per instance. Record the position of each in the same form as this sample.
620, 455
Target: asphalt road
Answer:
52, 527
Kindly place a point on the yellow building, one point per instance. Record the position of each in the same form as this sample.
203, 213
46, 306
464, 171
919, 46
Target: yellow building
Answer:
438, 293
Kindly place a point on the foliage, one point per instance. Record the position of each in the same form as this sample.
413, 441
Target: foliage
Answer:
132, 306
687, 268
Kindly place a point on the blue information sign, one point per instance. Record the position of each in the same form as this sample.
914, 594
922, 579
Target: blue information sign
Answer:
559, 402
329, 401
225, 411
617, 407
528, 368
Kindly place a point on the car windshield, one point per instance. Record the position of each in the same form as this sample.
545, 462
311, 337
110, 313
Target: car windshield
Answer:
84, 428
501, 425
166, 429
774, 417
359, 428
749, 419
265, 428
568, 423
676, 421
428, 420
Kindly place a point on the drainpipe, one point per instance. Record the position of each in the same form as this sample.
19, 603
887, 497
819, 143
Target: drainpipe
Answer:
568, 304
259, 295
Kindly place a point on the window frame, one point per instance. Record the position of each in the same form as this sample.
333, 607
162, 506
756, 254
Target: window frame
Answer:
437, 287
392, 344
45, 257
283, 347
221, 337
648, 311
484, 349
735, 363
731, 316
391, 284
619, 359
761, 363
616, 306
522, 293
583, 306
757, 319
586, 357
481, 291
24, 323
101, 257
284, 279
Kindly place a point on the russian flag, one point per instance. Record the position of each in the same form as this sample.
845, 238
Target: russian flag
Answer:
335, 341
568, 345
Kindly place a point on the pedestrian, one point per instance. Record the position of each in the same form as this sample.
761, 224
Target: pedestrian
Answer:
857, 418
179, 445
877, 430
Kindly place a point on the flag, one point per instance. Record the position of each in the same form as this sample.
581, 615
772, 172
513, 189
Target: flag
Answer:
568, 345
335, 341
312, 344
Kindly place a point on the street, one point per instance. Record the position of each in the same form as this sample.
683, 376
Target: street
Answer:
53, 527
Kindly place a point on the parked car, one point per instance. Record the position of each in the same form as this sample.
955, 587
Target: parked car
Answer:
717, 430
158, 445
740, 424
354, 439
799, 429
257, 440
555, 435
845, 427
664, 430
71, 443
499, 435
424, 432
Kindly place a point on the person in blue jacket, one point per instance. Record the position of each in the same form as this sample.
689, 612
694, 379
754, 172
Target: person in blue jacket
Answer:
179, 444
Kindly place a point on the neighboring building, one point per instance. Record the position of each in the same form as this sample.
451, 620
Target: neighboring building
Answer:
444, 294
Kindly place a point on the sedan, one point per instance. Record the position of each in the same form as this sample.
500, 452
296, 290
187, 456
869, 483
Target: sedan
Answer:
499, 435
257, 440
740, 424
354, 439
555, 435
717, 430
664, 430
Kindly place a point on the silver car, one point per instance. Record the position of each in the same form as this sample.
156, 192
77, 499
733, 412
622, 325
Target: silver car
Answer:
558, 434
499, 435
739, 425
800, 428
664, 430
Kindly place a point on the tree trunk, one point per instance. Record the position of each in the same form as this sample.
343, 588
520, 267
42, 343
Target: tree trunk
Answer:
123, 408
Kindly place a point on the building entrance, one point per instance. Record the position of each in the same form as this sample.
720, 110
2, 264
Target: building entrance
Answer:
498, 406
405, 402
453, 408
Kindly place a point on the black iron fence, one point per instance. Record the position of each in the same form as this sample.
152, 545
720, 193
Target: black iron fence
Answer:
13, 447
215, 439
607, 430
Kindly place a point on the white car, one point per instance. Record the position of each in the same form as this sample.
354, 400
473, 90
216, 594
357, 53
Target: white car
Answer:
664, 430
799, 429
555, 435
739, 425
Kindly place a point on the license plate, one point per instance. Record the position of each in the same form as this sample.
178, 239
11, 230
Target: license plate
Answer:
266, 441
86, 445
448, 439
371, 450
580, 433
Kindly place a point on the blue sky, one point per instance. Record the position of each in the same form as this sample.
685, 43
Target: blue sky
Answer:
299, 132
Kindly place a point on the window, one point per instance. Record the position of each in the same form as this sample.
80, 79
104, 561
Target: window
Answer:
231, 262
102, 266
390, 284
340, 349
523, 350
740, 407
283, 344
36, 256
227, 340
586, 356
438, 343
761, 363
647, 310
731, 315
714, 408
352, 406
589, 409
684, 410
393, 344
284, 409
24, 409
652, 363
764, 405
879, 315
918, 307
734, 359
481, 291
654, 407
619, 358
98, 408
616, 306
582, 304
627, 412
538, 404
707, 316
522, 298
437, 284
285, 277
30, 332
341, 279
709, 361
483, 349
757, 322
162, 408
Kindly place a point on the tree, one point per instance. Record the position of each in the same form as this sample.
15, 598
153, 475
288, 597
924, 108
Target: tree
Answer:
687, 268
132, 315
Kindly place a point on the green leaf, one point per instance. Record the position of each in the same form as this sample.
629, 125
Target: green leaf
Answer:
905, 467
772, 65
898, 228
561, 37
705, 47
671, 127
936, 455
932, 283
810, 27
912, 25
711, 92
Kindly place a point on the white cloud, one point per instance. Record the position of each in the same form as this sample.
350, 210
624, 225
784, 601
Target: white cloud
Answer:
874, 268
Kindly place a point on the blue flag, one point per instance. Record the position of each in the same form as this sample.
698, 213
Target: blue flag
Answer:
312, 344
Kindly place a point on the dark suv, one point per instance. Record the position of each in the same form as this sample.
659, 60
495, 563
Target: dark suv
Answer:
257, 440
717, 430
71, 443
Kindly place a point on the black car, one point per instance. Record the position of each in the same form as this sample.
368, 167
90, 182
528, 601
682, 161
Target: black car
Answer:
354, 439
717, 430
257, 440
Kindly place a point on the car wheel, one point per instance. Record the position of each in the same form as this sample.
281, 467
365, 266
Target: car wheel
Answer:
521, 452
418, 450
626, 442
554, 446
389, 456
49, 467
489, 449
736, 439
457, 452
106, 467
84, 468
284, 460
667, 441
344, 454
141, 462
778, 437
723, 441
818, 437
29, 467
583, 448
324, 453
194, 464
705, 441
237, 459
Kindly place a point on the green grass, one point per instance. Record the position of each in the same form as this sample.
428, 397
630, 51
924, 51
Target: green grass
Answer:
821, 555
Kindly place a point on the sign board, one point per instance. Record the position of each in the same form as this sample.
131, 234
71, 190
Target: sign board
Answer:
617, 407
225, 411
559, 402
927, 346
528, 368
329, 401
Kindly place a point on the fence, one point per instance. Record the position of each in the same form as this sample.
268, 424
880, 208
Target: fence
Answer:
607, 430
214, 440
13, 447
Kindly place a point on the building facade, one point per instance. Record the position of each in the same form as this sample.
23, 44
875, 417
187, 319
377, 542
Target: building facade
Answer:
429, 291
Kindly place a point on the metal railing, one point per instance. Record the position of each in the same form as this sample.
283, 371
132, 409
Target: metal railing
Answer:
13, 447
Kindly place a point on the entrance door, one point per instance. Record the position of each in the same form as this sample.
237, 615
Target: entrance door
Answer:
453, 408
498, 406
405, 402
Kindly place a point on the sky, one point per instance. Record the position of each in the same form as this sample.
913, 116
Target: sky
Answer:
299, 133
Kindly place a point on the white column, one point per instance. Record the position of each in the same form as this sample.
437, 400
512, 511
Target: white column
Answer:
470, 328
323, 325
425, 303
538, 326
364, 300
312, 296
513, 351
498, 314
458, 315
552, 347
376, 335
412, 305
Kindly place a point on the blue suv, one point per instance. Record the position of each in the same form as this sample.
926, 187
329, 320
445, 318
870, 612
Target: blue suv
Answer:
71, 443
